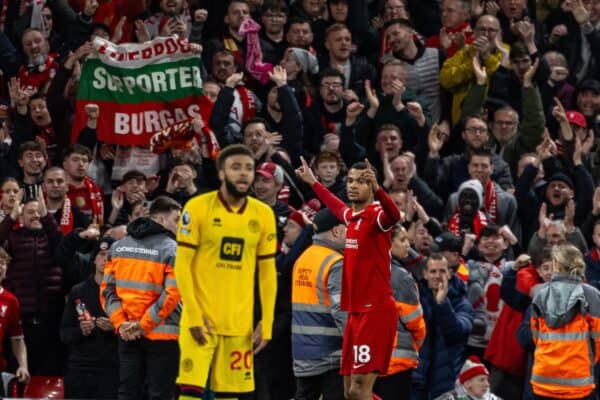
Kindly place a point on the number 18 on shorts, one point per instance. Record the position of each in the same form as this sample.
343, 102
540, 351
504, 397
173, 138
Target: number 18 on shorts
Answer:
368, 342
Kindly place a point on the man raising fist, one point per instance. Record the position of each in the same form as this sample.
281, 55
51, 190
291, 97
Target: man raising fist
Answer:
366, 291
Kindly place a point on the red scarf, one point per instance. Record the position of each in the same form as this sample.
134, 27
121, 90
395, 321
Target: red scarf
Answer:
95, 196
33, 78
209, 138
248, 103
491, 201
66, 217
479, 221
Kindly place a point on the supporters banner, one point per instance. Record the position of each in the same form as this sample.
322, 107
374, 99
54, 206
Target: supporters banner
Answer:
140, 89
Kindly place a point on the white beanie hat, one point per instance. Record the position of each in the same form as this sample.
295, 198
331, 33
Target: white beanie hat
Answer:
474, 185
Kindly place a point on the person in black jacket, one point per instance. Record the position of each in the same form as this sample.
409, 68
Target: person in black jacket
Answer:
92, 365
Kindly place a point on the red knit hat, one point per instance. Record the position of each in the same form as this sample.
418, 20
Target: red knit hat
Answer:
473, 367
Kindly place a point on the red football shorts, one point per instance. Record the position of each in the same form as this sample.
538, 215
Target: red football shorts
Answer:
369, 341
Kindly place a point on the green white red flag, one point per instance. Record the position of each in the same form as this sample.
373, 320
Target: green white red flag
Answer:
140, 88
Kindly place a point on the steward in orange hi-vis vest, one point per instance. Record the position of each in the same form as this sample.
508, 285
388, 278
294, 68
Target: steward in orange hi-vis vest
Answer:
411, 325
139, 282
565, 325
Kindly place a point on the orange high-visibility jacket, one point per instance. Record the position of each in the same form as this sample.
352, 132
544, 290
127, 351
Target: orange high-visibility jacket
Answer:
565, 324
317, 323
139, 282
411, 325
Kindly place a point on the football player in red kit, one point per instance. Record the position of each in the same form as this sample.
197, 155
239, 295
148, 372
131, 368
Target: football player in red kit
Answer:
366, 291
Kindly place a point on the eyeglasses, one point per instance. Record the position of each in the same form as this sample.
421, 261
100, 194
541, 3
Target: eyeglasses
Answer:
331, 85
476, 130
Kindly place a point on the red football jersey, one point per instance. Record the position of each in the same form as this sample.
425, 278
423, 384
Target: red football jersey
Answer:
10, 322
367, 254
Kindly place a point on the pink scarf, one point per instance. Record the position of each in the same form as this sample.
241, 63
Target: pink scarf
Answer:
254, 63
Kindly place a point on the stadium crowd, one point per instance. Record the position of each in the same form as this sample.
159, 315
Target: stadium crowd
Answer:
480, 118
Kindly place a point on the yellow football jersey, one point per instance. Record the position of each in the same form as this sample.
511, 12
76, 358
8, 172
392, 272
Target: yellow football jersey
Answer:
219, 281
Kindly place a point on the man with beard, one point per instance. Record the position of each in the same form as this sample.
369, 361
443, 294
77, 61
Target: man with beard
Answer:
83, 191
299, 34
41, 66
67, 215
223, 238
172, 19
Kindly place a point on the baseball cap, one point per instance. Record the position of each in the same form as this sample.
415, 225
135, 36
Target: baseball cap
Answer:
577, 118
325, 220
271, 170
448, 241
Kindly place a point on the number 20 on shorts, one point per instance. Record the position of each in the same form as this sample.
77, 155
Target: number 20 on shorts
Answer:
237, 360
362, 354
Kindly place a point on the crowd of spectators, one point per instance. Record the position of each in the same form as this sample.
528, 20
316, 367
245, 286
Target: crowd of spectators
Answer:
482, 119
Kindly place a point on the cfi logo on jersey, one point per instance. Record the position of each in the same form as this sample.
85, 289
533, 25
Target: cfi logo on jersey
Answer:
3, 310
232, 248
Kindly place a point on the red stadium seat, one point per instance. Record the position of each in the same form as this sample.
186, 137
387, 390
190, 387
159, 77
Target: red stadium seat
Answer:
49, 387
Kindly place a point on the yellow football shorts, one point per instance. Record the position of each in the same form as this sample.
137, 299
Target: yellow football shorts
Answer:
228, 359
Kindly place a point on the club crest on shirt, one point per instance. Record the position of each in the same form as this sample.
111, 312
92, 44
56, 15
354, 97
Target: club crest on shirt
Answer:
253, 226
187, 365
3, 310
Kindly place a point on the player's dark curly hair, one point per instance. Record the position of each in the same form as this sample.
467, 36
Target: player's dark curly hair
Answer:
233, 150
